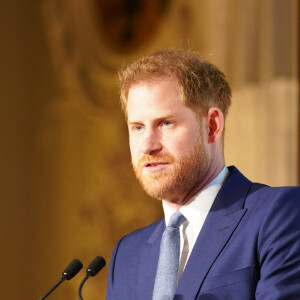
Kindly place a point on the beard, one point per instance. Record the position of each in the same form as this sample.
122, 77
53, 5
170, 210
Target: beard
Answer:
180, 176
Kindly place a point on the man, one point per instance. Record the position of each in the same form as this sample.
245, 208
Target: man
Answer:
238, 240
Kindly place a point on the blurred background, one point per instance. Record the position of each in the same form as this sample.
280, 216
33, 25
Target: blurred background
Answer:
67, 189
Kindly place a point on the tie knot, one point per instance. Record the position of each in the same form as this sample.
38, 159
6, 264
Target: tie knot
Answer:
176, 219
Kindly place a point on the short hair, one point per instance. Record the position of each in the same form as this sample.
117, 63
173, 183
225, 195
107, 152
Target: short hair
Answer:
201, 83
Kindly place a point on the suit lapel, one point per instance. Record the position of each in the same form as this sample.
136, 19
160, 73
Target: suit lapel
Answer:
148, 263
222, 220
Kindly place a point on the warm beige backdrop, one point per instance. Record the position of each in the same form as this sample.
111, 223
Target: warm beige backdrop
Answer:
67, 189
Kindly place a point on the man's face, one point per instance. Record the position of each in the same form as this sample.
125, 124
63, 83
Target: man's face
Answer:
168, 150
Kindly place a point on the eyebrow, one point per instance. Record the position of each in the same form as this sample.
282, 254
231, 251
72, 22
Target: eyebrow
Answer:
166, 116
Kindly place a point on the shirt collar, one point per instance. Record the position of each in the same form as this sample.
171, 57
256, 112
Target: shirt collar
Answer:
197, 208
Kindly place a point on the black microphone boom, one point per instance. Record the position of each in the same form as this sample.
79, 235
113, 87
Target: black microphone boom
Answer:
93, 269
70, 271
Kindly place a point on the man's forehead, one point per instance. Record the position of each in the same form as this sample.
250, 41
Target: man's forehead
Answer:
161, 95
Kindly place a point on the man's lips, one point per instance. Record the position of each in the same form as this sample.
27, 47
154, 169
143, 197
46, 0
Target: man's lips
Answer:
155, 165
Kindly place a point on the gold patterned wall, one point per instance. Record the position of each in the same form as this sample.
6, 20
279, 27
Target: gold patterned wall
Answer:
67, 189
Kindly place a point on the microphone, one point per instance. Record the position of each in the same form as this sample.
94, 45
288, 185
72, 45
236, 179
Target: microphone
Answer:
94, 267
70, 271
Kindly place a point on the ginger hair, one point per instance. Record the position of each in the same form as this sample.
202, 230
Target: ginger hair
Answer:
202, 85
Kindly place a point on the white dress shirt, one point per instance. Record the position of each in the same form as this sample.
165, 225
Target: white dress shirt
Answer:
195, 212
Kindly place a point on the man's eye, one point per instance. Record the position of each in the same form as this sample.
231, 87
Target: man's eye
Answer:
138, 128
167, 123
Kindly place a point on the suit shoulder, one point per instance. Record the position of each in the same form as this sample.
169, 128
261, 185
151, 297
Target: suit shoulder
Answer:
262, 199
143, 234
266, 193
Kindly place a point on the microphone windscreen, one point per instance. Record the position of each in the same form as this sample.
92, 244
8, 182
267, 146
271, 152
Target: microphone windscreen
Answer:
96, 265
72, 269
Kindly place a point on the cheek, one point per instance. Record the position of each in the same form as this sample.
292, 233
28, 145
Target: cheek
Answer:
185, 143
133, 149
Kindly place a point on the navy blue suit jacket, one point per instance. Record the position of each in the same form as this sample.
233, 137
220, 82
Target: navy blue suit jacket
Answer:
248, 248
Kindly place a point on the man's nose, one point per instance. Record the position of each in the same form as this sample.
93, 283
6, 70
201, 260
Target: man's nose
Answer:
151, 143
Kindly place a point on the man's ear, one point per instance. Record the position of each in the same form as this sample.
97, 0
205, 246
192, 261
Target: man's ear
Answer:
214, 124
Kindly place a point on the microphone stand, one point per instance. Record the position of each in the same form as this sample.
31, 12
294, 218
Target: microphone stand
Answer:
88, 275
53, 288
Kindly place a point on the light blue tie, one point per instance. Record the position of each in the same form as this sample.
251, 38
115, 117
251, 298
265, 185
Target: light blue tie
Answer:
167, 269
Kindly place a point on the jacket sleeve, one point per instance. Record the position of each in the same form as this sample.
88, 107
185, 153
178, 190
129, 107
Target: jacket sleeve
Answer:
279, 248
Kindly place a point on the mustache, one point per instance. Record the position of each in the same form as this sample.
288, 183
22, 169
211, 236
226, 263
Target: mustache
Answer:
167, 158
